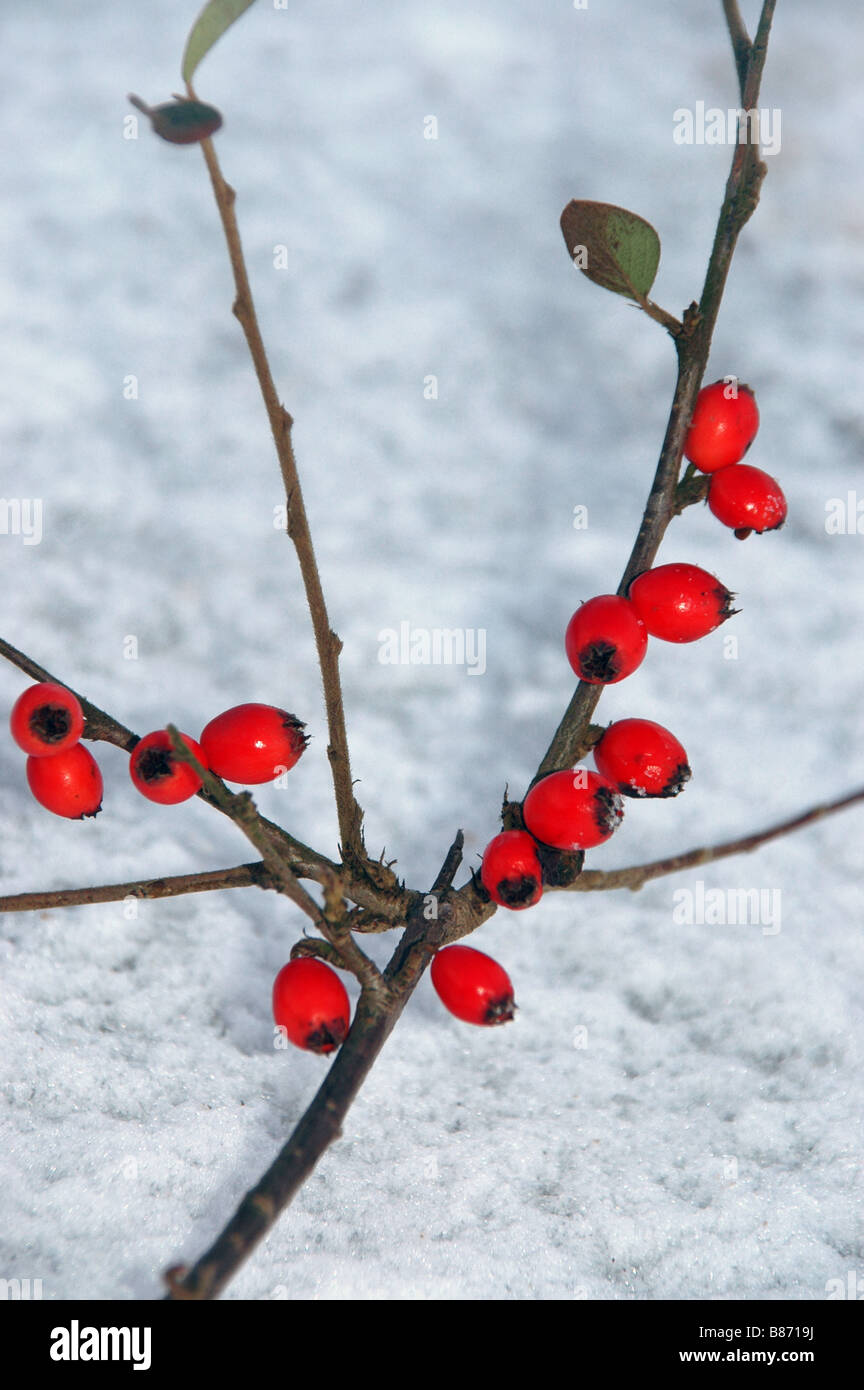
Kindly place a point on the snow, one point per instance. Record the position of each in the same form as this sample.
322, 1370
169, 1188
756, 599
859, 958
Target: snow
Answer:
676, 1112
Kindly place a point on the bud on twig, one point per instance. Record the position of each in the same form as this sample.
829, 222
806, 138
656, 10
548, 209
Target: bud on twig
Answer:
182, 122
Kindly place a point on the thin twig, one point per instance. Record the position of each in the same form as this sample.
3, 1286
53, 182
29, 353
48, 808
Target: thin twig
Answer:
666, 320
595, 880
740, 40
327, 642
241, 809
243, 876
450, 867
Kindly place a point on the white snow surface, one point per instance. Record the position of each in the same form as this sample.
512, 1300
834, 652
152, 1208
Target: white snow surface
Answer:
676, 1111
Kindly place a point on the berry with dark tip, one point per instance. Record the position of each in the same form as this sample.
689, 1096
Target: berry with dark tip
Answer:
159, 774
473, 986
605, 640
511, 871
642, 758
46, 719
311, 1004
574, 809
747, 499
680, 603
253, 743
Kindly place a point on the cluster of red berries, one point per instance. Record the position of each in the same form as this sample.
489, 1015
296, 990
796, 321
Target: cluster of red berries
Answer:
576, 809
566, 811
47, 723
607, 637
723, 427
573, 810
606, 640
247, 744
311, 1005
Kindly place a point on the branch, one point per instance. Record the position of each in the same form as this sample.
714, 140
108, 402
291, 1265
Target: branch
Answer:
243, 876
316, 1131
693, 346
369, 886
241, 809
741, 45
450, 867
328, 644
595, 880
374, 1020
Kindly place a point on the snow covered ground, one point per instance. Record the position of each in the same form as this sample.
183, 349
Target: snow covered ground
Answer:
676, 1112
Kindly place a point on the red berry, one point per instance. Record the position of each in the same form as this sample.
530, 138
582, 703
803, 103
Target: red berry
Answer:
473, 986
511, 871
68, 783
253, 743
680, 603
572, 810
747, 499
723, 425
642, 758
159, 774
605, 640
46, 719
311, 1003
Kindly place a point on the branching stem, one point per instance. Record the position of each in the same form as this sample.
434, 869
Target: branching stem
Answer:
444, 914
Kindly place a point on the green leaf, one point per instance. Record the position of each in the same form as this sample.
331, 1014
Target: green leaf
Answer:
210, 25
613, 247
